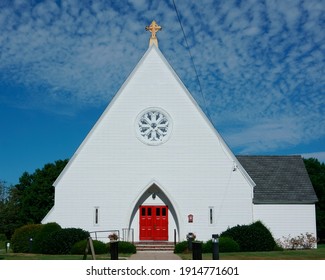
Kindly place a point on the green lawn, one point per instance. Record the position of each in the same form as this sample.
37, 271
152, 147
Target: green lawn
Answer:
313, 254
20, 256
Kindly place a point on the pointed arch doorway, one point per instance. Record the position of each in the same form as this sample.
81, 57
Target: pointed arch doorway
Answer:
153, 222
154, 216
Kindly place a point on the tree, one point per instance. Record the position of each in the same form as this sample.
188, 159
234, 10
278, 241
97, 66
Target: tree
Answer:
31, 199
4, 191
316, 172
9, 212
37, 191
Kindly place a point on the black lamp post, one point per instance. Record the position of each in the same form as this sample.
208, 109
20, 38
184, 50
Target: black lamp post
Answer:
215, 246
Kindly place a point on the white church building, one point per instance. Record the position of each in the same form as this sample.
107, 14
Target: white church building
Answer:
155, 168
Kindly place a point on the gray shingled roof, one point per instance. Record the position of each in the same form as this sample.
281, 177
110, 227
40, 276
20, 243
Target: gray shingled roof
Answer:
279, 179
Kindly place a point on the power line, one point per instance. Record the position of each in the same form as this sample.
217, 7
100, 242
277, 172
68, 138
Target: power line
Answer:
192, 60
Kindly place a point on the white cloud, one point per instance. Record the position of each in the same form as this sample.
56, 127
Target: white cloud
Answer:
265, 136
260, 63
68, 53
139, 4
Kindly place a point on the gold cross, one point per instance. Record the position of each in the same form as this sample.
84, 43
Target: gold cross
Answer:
153, 28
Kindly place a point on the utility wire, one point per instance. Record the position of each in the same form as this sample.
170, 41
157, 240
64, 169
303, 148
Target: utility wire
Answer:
192, 60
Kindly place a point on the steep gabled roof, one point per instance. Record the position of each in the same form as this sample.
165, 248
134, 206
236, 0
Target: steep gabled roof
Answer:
153, 49
279, 179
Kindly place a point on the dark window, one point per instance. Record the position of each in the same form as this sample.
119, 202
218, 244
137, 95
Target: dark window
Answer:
158, 212
143, 211
96, 216
149, 211
164, 212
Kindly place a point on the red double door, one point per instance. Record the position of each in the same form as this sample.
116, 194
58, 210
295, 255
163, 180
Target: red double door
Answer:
153, 222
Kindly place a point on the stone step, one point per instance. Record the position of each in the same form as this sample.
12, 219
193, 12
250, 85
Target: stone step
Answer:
154, 246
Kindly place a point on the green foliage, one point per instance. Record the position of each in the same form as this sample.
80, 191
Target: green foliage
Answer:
3, 241
21, 239
181, 247
38, 192
62, 241
125, 247
207, 247
226, 245
8, 210
3, 237
316, 172
4, 191
80, 247
40, 238
29, 201
251, 238
47, 239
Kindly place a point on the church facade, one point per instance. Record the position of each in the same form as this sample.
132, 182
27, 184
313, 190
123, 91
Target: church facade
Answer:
155, 166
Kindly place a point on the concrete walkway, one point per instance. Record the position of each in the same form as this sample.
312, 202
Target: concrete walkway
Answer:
154, 255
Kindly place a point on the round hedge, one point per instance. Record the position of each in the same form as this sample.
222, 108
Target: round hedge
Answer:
226, 245
80, 247
21, 239
125, 247
40, 238
251, 238
62, 241
181, 247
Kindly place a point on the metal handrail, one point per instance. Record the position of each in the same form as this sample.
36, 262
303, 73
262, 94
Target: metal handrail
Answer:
116, 231
127, 234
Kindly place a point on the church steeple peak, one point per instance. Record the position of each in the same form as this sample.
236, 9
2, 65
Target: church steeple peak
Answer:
153, 28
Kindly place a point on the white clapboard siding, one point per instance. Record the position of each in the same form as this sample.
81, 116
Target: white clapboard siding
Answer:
287, 219
194, 169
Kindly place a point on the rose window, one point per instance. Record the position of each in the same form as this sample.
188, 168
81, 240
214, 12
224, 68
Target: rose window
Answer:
153, 127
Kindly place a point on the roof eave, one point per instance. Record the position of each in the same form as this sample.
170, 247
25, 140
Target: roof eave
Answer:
257, 201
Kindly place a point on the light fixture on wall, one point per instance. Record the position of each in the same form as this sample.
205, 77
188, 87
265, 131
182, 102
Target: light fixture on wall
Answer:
153, 195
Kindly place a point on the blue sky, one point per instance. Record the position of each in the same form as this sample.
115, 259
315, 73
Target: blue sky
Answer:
261, 66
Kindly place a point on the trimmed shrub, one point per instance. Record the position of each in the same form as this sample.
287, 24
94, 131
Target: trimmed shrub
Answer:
80, 247
226, 245
124, 247
207, 247
251, 238
20, 241
181, 247
40, 238
278, 247
61, 241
